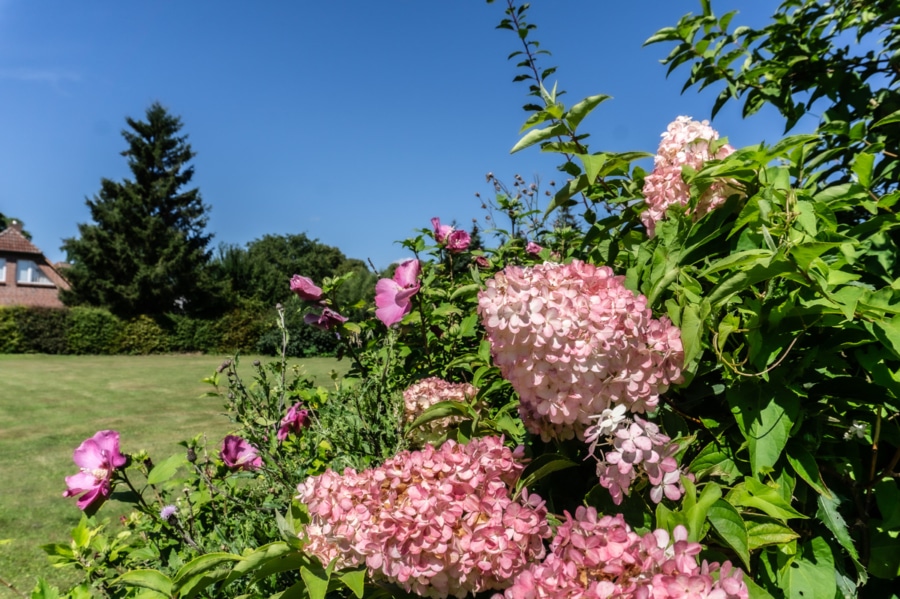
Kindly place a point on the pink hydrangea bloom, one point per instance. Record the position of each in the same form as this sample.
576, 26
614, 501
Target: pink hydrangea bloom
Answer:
97, 458
598, 557
393, 297
685, 143
296, 419
422, 395
305, 288
574, 341
238, 454
631, 448
436, 522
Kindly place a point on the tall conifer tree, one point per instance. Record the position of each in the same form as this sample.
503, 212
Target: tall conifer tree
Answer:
146, 251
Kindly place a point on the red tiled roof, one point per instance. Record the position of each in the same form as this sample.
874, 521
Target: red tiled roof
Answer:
12, 240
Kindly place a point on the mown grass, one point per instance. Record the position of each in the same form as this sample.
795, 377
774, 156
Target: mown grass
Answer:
49, 404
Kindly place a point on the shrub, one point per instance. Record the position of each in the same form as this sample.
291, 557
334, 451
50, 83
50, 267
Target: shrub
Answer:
42, 330
9, 334
142, 336
187, 334
239, 330
92, 331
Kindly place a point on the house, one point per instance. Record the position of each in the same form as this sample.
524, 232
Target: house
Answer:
26, 277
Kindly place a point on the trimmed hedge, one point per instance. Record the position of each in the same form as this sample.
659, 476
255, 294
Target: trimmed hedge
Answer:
83, 330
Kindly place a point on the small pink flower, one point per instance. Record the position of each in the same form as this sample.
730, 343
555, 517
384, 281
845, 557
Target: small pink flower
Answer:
458, 240
440, 231
238, 454
305, 289
97, 458
328, 319
294, 421
533, 248
393, 296
482, 262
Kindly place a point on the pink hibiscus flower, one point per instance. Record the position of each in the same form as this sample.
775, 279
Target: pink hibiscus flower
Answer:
305, 288
440, 231
393, 296
238, 454
97, 458
294, 421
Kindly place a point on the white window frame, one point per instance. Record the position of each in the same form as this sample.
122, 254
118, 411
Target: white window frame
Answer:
2, 271
28, 272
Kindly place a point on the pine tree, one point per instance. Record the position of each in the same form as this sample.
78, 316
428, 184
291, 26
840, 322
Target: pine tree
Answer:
146, 250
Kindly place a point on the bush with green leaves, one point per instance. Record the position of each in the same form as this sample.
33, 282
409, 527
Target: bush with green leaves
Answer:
92, 331
674, 383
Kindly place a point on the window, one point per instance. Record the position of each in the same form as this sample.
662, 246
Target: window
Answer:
28, 272
2, 271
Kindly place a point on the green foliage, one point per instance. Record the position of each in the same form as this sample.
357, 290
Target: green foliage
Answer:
41, 330
146, 250
142, 335
239, 329
92, 331
10, 342
189, 334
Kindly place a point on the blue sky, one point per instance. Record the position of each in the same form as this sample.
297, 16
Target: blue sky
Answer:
353, 122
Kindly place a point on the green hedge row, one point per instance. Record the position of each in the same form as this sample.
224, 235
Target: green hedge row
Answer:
80, 330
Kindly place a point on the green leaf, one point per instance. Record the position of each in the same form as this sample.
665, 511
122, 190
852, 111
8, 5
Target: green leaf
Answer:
204, 563
355, 581
259, 557
692, 331
712, 461
43, 590
765, 420
745, 278
540, 467
812, 575
446, 310
538, 135
166, 469
767, 499
804, 464
465, 291
884, 560
829, 515
698, 513
728, 523
862, 167
894, 117
768, 532
577, 113
315, 584
148, 579
442, 409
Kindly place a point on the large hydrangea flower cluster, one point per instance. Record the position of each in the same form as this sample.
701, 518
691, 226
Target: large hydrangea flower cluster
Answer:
436, 522
593, 557
573, 341
686, 142
633, 447
427, 392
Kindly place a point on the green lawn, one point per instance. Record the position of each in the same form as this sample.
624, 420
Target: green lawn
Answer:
49, 404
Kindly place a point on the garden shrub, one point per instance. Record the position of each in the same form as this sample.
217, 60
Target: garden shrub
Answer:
92, 331
10, 342
239, 330
42, 330
142, 336
188, 334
